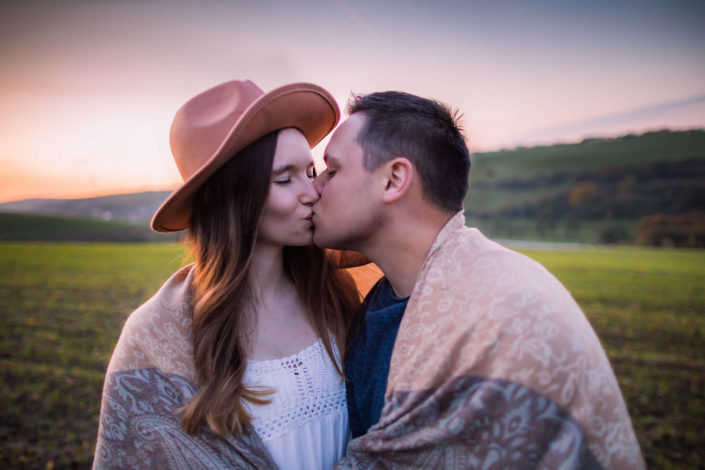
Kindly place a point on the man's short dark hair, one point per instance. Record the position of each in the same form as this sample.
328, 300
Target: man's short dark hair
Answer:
424, 131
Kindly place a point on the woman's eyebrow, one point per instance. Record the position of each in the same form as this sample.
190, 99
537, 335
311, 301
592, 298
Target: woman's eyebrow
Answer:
283, 169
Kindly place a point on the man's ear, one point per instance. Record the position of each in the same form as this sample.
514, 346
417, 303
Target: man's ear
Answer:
399, 173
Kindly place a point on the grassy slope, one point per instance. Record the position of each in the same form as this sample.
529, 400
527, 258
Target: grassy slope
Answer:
32, 227
561, 231
650, 147
62, 307
526, 163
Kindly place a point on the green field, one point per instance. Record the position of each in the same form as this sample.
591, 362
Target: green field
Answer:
62, 307
43, 227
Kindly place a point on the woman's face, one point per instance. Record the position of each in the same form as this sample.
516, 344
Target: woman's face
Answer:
287, 214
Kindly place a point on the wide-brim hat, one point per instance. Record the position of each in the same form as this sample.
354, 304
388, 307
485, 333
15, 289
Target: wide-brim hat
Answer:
215, 125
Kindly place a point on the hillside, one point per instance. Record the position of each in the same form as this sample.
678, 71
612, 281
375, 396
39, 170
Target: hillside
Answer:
598, 190
33, 227
135, 207
590, 154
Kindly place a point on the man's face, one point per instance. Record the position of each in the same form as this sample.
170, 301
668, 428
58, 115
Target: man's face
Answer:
348, 211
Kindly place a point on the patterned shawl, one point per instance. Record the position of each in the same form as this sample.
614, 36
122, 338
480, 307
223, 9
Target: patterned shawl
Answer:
495, 366
151, 375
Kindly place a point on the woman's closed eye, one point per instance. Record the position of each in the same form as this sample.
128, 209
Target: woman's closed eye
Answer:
286, 179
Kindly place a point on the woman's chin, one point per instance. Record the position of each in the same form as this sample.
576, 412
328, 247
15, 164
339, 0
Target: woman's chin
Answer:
304, 240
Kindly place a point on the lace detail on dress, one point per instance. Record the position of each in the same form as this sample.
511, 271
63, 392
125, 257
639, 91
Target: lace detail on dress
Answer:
306, 387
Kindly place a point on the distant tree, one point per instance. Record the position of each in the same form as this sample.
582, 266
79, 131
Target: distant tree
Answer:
627, 137
572, 225
541, 224
582, 193
627, 187
612, 232
682, 230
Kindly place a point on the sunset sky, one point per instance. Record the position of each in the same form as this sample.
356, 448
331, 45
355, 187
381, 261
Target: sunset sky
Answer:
88, 89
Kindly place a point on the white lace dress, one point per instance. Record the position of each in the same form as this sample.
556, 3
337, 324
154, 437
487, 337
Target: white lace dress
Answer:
306, 424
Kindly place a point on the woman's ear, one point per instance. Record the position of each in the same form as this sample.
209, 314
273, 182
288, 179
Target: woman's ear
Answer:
399, 174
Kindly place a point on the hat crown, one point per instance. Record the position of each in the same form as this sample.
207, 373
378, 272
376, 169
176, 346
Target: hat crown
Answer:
204, 122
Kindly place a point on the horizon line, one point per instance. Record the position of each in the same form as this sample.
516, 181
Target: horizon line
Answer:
145, 189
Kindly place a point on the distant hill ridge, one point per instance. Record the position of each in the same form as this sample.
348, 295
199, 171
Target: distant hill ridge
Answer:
134, 207
591, 153
595, 190
500, 181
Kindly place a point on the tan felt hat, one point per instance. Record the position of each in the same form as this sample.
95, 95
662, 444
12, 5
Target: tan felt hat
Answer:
215, 125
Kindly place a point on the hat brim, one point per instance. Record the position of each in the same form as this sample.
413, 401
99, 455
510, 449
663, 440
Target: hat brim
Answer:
304, 106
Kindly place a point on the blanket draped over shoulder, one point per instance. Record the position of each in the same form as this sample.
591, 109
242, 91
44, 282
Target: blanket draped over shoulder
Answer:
150, 377
495, 366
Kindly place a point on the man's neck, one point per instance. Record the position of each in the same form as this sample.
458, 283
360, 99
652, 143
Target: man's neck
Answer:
402, 248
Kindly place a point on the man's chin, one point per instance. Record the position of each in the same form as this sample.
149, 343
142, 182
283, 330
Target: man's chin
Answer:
318, 240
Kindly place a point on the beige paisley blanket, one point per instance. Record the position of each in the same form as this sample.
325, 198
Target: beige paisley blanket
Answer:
494, 367
150, 376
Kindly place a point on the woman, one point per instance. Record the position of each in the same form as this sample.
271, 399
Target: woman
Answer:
234, 363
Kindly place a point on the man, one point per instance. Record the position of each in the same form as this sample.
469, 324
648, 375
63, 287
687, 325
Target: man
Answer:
469, 355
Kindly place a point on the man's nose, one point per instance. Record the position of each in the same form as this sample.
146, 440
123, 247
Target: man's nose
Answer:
320, 181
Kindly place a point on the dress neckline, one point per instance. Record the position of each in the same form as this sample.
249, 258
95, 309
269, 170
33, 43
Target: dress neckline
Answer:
285, 358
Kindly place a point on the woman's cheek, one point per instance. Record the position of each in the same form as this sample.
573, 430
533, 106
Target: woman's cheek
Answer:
281, 202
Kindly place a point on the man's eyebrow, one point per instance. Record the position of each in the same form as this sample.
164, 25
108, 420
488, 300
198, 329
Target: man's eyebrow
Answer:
282, 169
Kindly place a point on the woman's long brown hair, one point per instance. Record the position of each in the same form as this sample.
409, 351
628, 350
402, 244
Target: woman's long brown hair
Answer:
226, 214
